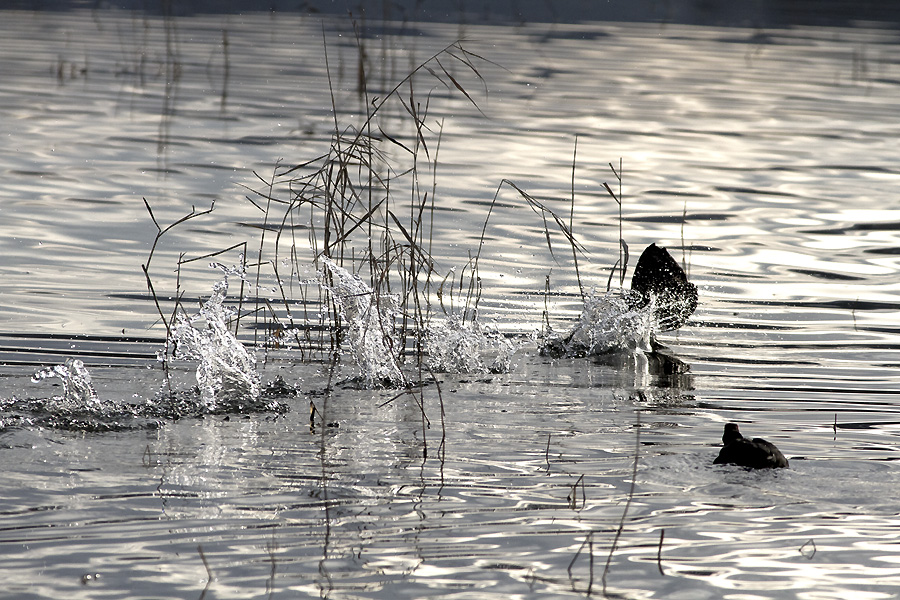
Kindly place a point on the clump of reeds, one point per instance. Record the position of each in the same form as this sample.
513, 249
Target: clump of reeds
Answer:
366, 205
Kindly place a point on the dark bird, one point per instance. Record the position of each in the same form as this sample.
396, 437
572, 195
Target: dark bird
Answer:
754, 454
658, 277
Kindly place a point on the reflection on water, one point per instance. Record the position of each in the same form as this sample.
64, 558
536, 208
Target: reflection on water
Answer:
500, 502
764, 158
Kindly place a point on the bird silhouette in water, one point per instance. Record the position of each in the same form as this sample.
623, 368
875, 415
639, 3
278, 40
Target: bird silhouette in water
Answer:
754, 454
658, 277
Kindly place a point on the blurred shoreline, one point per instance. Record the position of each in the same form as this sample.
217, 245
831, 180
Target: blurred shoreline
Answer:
722, 13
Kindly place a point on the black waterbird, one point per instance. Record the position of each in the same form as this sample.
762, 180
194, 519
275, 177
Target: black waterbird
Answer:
658, 277
744, 452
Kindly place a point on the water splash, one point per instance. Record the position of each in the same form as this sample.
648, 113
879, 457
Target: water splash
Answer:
613, 321
78, 391
459, 345
226, 370
79, 407
370, 325
226, 375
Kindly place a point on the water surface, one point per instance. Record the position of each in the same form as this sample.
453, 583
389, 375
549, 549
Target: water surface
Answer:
765, 158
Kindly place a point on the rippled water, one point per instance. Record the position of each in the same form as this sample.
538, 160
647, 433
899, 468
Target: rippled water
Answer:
765, 157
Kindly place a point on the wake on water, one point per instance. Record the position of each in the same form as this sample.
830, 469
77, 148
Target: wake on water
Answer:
226, 374
458, 345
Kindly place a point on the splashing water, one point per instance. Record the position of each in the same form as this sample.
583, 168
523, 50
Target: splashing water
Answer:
78, 408
78, 391
459, 345
613, 321
226, 370
226, 374
370, 325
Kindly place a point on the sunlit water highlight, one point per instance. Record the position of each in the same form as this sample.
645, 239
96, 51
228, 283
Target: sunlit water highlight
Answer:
771, 153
